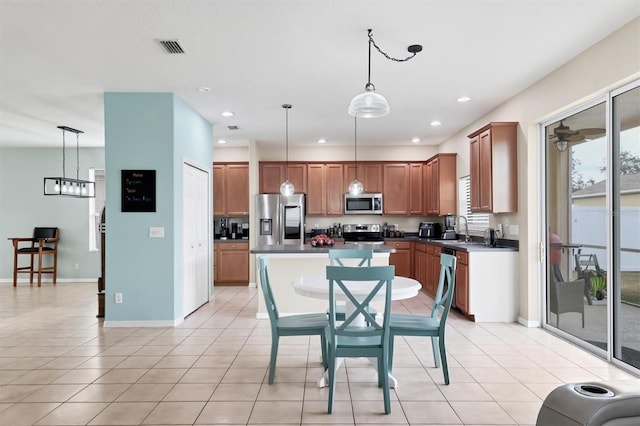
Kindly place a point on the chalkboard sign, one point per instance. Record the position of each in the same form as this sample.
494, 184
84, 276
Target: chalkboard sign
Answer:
138, 190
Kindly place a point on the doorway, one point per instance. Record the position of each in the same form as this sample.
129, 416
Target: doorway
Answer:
592, 199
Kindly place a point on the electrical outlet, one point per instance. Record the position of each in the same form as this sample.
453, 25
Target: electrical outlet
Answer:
76, 266
118, 297
513, 229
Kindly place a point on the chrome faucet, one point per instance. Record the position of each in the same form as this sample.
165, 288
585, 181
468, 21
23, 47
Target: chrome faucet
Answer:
467, 238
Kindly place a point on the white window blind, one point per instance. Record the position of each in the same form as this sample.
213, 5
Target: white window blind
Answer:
476, 221
95, 208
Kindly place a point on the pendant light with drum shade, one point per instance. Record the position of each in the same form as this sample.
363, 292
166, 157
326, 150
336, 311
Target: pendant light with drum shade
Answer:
370, 104
287, 188
355, 187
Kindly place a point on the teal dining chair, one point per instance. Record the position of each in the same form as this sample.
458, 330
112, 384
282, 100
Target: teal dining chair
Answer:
290, 325
434, 325
354, 337
336, 256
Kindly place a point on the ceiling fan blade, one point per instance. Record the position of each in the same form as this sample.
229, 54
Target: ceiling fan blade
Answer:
575, 138
592, 131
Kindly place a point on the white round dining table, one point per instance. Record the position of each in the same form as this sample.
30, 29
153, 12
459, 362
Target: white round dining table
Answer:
317, 287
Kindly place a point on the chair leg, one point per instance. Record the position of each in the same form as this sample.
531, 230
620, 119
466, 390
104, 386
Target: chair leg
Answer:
15, 266
385, 382
274, 355
31, 270
55, 266
331, 371
434, 348
443, 357
390, 365
323, 342
40, 269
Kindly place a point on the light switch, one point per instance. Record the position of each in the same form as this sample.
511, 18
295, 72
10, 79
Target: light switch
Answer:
156, 232
513, 229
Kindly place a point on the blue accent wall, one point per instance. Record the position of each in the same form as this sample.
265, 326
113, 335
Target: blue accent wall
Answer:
148, 131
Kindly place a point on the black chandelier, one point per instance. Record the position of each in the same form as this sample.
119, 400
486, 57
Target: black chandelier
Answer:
66, 186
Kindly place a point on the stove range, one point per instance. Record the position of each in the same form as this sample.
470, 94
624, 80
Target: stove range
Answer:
362, 233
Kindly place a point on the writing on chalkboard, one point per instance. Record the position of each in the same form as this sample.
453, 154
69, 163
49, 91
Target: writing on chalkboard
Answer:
138, 190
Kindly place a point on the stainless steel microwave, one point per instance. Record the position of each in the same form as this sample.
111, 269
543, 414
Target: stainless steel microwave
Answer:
363, 204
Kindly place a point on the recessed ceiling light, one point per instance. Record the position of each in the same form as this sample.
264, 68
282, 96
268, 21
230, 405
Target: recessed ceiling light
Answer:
463, 99
204, 89
227, 114
322, 141
435, 123
415, 140
221, 141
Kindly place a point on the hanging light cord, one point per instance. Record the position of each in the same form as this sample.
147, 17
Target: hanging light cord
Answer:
355, 143
63, 159
286, 110
77, 156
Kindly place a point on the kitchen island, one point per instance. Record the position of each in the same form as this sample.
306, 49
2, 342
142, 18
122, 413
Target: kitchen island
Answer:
288, 262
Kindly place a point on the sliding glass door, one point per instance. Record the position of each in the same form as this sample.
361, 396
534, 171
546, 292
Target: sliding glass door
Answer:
593, 225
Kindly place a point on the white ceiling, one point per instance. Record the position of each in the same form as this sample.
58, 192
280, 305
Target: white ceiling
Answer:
57, 58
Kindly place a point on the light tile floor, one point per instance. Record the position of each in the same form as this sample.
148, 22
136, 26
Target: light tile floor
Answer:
59, 366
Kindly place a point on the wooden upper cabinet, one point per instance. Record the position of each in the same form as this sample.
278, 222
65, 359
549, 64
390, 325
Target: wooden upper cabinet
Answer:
237, 193
396, 188
316, 190
231, 189
219, 191
441, 185
494, 168
325, 192
369, 174
416, 189
272, 174
335, 189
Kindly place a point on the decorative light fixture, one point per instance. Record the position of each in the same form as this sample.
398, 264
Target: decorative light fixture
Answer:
370, 104
65, 186
287, 188
355, 187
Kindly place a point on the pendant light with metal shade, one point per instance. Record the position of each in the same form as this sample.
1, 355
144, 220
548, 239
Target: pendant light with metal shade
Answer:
370, 104
355, 187
287, 188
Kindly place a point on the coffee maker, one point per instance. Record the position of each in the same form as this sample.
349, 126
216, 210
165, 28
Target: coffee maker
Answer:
449, 227
223, 228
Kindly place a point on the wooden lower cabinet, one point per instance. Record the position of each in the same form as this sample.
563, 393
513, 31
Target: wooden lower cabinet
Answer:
401, 259
462, 282
420, 264
231, 263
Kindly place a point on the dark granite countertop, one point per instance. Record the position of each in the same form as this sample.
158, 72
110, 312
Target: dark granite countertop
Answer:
280, 249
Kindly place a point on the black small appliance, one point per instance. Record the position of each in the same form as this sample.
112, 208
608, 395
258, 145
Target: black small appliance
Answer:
223, 228
429, 230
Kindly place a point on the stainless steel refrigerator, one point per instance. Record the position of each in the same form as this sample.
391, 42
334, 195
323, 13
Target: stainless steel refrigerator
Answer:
280, 219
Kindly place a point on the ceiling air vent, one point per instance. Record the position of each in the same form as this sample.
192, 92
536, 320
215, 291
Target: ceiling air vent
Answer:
232, 127
171, 46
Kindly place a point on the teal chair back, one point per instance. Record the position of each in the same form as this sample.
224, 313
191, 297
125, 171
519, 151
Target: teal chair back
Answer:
265, 285
360, 335
442, 302
336, 256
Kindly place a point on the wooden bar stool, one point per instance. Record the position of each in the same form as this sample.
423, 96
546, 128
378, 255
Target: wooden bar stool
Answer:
44, 242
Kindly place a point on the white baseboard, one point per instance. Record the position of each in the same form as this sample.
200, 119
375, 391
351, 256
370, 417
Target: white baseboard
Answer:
253, 285
141, 324
527, 323
49, 280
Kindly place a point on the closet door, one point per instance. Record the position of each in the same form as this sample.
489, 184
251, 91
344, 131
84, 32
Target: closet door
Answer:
195, 226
